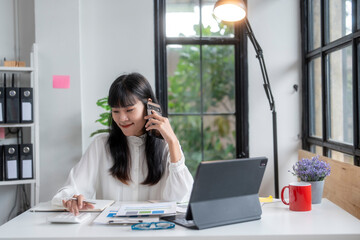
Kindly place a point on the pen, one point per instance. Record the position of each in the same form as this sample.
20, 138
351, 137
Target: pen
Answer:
85, 201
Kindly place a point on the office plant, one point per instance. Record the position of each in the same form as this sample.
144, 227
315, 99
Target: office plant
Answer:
103, 117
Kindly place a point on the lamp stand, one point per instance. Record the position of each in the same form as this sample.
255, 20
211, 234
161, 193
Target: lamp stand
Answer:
267, 88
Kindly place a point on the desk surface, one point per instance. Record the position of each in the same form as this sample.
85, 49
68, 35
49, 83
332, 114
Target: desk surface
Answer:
324, 221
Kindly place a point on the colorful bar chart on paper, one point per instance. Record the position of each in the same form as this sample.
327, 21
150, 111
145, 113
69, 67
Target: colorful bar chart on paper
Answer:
147, 209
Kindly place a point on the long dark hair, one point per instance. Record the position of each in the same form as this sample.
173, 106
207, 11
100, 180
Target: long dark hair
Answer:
125, 91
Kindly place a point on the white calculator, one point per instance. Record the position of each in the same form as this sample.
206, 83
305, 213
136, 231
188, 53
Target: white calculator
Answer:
67, 217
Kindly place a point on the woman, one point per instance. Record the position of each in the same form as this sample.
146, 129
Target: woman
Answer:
128, 164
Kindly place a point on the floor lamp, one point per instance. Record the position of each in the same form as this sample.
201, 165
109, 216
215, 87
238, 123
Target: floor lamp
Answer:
233, 11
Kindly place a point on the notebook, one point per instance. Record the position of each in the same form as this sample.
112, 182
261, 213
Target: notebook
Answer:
99, 206
224, 192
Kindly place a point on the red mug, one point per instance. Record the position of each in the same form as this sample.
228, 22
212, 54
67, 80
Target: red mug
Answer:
299, 196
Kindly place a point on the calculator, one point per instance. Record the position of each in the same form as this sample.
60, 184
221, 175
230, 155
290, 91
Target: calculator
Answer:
67, 217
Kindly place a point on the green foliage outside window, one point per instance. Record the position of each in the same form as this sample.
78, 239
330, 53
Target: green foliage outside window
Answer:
184, 97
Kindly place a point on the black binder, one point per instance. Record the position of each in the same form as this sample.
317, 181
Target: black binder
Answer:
26, 105
2, 100
11, 161
12, 103
26, 161
1, 163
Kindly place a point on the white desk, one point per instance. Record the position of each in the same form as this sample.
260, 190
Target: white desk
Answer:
325, 221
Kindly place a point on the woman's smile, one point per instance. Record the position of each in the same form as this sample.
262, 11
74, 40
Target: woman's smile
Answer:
126, 126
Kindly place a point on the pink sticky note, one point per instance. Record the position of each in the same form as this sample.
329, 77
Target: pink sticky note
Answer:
2, 133
61, 81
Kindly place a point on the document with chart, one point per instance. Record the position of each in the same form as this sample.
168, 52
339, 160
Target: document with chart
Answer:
139, 209
130, 212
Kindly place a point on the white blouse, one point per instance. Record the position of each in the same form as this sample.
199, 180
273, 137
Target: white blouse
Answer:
91, 176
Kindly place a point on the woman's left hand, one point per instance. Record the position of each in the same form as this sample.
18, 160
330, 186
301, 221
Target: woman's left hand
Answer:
161, 124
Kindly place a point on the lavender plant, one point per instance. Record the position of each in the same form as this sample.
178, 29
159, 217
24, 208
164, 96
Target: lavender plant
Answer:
311, 169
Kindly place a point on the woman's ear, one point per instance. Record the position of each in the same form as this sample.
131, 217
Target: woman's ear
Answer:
149, 100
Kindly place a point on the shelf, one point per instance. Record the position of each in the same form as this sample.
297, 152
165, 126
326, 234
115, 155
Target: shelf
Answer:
13, 125
16, 69
31, 70
15, 182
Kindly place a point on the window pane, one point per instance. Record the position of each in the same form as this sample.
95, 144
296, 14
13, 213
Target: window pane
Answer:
314, 24
211, 26
316, 149
340, 19
341, 95
342, 157
315, 98
183, 69
188, 131
181, 17
219, 137
218, 78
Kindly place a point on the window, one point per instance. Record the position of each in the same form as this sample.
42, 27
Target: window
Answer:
331, 101
201, 81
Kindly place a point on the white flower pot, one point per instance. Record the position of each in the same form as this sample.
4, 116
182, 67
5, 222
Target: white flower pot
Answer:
317, 188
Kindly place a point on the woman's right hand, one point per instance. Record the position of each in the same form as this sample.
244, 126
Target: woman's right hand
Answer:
74, 206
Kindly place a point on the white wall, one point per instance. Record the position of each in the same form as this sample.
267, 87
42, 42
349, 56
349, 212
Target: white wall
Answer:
57, 26
26, 28
7, 39
276, 25
114, 40
25, 25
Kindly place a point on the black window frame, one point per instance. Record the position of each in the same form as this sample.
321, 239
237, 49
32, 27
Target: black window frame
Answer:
241, 71
326, 47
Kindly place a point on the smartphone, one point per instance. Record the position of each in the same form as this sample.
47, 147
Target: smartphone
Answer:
156, 107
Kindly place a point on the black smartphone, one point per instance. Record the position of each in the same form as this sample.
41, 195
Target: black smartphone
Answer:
156, 107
